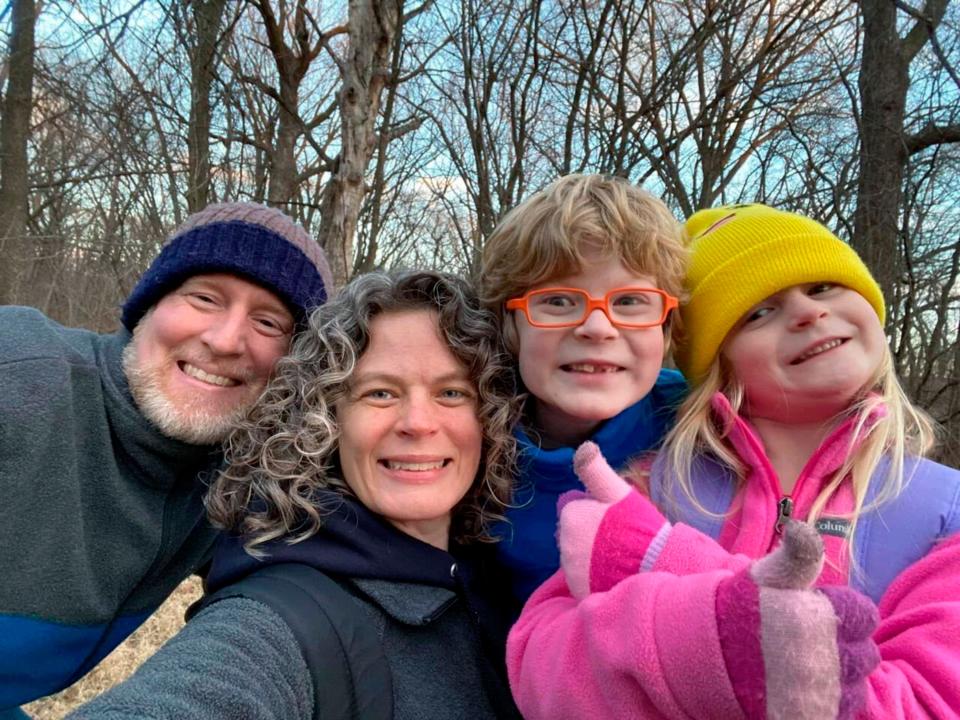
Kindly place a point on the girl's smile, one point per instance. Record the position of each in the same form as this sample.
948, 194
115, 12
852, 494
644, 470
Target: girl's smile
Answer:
806, 352
819, 348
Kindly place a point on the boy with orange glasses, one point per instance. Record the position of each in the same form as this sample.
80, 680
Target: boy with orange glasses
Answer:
585, 274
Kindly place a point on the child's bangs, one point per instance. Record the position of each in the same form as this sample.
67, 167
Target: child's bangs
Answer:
554, 253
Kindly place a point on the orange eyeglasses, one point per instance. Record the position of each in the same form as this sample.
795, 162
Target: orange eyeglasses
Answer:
627, 307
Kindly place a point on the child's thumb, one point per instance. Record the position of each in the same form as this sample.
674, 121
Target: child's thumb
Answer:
597, 476
796, 564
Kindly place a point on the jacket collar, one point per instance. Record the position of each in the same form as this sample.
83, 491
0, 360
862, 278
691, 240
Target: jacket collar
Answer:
749, 528
827, 458
352, 543
407, 603
620, 438
155, 459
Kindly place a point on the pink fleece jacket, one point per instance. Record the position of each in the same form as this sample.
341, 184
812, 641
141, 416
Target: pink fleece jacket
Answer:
649, 647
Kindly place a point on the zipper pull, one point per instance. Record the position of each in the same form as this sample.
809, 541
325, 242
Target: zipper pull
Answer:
784, 511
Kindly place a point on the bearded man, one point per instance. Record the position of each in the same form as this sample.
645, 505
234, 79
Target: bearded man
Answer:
105, 440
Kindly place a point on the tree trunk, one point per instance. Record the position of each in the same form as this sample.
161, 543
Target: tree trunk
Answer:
283, 159
884, 81
292, 63
372, 27
14, 136
207, 15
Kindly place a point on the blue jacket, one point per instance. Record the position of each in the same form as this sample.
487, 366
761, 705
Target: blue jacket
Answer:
528, 546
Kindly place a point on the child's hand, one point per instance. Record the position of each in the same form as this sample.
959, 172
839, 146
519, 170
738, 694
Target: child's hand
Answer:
603, 534
792, 651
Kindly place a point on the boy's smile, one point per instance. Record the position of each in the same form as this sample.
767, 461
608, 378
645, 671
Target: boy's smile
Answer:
580, 376
591, 368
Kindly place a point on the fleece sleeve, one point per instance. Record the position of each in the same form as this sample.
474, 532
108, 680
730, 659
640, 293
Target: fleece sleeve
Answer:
919, 641
649, 648
686, 551
236, 660
619, 550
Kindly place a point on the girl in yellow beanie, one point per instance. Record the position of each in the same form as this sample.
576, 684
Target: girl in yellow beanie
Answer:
795, 414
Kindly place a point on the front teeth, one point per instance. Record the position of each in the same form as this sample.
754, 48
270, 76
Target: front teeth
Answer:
206, 377
819, 349
591, 368
416, 467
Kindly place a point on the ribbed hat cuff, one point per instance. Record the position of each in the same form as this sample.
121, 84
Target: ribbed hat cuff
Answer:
245, 249
728, 291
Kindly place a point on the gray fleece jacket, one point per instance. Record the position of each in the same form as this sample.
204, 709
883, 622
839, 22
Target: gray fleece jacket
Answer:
435, 614
101, 515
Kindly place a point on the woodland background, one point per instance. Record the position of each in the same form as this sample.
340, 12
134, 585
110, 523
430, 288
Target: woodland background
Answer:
399, 132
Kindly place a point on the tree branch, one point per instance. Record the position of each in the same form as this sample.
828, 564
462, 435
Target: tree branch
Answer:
927, 21
932, 135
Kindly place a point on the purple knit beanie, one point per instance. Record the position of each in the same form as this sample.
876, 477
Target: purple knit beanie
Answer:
254, 241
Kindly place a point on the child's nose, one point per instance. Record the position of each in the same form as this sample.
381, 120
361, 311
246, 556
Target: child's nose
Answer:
806, 311
597, 326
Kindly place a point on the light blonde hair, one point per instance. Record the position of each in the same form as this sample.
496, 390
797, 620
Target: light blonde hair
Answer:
545, 236
901, 430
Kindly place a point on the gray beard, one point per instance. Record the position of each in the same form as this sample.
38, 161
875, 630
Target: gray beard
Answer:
193, 425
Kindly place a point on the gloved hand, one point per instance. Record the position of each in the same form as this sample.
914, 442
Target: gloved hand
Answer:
604, 533
791, 651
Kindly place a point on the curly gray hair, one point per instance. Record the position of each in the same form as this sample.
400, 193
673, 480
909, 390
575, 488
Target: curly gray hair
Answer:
286, 448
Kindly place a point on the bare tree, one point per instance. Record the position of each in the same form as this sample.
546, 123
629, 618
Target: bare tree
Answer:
207, 18
485, 98
14, 136
686, 94
885, 145
293, 61
372, 26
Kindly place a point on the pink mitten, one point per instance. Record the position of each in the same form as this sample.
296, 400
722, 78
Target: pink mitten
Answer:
792, 651
603, 534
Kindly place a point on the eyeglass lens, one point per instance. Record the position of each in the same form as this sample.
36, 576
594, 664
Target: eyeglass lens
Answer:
631, 306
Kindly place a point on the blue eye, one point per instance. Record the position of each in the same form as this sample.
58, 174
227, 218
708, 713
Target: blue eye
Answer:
378, 394
456, 394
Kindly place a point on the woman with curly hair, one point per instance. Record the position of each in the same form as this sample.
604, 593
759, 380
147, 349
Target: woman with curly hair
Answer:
380, 454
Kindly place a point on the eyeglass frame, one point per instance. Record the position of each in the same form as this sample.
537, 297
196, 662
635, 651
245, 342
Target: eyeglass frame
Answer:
670, 303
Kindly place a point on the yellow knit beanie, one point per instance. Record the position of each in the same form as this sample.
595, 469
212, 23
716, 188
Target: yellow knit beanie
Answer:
741, 254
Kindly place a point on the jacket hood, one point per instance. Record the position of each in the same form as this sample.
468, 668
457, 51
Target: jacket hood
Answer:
354, 543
